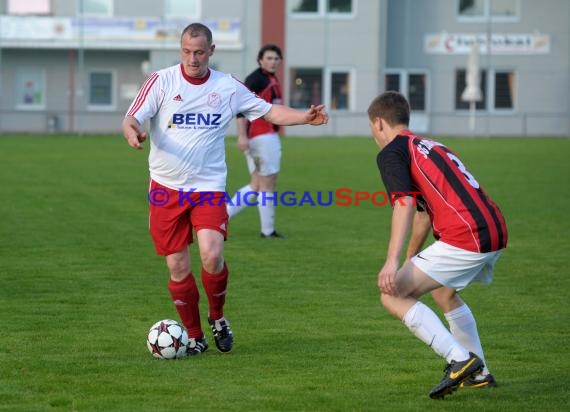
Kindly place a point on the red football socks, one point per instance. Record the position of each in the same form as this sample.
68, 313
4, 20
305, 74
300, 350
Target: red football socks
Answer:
215, 287
185, 297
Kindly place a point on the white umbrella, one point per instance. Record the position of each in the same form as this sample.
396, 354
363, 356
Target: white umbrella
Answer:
472, 92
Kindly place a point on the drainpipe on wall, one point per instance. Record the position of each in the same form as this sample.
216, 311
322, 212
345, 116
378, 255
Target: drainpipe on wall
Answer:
71, 96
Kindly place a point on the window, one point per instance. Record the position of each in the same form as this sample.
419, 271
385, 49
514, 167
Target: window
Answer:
176, 9
306, 87
417, 91
504, 8
461, 83
99, 8
320, 7
100, 89
471, 8
30, 89
331, 87
502, 90
340, 91
504, 95
339, 6
412, 84
480, 10
392, 82
28, 7
305, 6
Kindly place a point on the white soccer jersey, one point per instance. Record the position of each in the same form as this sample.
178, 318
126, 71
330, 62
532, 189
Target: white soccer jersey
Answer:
188, 123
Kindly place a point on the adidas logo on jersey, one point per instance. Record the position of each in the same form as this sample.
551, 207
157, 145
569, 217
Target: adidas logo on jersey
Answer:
177, 98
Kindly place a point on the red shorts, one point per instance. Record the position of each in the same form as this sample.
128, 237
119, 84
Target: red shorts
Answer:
173, 214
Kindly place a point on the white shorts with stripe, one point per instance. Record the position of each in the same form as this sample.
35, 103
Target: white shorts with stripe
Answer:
454, 267
264, 154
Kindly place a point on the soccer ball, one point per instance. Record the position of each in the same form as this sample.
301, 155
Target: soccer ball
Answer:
167, 339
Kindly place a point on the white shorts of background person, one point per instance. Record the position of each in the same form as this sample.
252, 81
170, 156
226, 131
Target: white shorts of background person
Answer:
264, 154
264, 162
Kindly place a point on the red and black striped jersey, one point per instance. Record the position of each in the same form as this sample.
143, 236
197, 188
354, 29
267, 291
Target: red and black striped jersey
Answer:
266, 86
461, 213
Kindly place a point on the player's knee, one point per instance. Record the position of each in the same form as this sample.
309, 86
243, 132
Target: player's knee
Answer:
268, 183
388, 303
178, 270
212, 261
447, 299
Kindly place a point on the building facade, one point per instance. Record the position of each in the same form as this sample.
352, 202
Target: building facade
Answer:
74, 66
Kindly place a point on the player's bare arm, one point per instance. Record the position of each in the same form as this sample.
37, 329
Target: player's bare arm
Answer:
420, 230
242, 141
133, 132
286, 116
402, 217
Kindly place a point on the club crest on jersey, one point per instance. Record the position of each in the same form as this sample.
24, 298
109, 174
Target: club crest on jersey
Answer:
214, 100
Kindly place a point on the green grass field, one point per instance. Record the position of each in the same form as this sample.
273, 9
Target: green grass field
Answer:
81, 285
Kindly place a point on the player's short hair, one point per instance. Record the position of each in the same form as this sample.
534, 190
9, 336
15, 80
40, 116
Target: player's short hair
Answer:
269, 47
392, 107
197, 30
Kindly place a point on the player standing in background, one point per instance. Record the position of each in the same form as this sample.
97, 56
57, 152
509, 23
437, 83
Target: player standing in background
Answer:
470, 234
190, 107
260, 142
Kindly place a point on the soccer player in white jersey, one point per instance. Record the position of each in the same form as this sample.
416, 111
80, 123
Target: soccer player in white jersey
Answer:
190, 107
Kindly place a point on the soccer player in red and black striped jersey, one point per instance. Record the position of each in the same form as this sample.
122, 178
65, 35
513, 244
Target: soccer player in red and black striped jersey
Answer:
260, 142
430, 187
